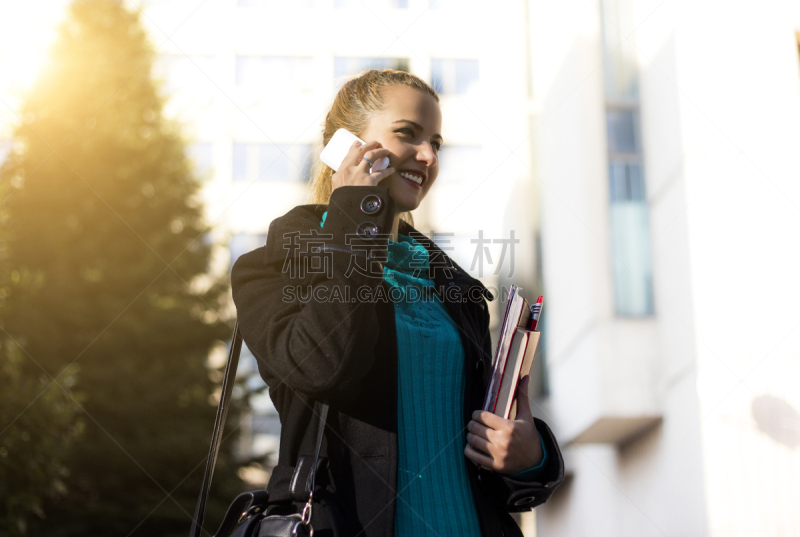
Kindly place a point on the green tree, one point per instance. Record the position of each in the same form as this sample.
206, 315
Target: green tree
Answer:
35, 439
108, 282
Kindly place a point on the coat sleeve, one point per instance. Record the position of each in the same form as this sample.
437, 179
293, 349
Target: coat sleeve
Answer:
315, 330
515, 495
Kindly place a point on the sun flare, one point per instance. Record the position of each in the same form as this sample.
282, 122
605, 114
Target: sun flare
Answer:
27, 30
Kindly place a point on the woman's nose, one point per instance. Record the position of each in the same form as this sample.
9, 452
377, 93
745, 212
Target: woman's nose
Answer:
426, 154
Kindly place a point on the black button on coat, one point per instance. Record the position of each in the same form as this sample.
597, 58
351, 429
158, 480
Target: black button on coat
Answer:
320, 333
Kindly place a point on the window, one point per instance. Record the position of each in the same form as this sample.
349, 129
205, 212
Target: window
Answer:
242, 243
620, 73
622, 129
625, 181
268, 162
276, 73
346, 67
631, 256
202, 156
262, 430
458, 163
454, 77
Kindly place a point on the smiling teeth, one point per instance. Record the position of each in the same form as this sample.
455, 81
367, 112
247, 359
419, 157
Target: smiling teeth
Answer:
411, 177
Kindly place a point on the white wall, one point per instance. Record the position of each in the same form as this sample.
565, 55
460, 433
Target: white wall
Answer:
740, 121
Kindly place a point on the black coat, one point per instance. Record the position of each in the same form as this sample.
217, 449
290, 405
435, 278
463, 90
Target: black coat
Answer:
344, 353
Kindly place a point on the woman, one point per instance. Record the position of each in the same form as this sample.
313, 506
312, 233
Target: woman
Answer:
349, 305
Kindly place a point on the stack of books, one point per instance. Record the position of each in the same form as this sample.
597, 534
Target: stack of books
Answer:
513, 358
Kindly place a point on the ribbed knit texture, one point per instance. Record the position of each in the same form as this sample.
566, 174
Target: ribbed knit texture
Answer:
434, 495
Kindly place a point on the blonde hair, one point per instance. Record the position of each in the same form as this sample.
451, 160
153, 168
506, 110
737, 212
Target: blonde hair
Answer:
352, 107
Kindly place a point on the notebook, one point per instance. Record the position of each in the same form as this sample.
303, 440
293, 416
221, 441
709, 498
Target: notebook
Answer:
516, 348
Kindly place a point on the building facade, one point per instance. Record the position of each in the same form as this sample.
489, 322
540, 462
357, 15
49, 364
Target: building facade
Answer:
666, 138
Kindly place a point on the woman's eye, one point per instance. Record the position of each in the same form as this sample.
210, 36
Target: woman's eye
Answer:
410, 132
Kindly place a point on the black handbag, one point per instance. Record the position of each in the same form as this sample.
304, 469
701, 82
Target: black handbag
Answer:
247, 514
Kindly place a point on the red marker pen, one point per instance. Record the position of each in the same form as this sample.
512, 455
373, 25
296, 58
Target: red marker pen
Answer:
536, 312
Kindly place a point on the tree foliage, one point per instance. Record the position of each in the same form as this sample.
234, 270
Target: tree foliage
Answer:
107, 286
40, 424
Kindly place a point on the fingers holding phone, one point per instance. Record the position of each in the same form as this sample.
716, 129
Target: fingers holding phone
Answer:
355, 168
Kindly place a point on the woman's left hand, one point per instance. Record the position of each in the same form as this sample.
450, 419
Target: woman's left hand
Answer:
505, 446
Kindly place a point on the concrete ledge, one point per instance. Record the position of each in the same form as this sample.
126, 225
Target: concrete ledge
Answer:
616, 429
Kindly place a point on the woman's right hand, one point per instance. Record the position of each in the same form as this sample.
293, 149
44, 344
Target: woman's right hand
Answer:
354, 170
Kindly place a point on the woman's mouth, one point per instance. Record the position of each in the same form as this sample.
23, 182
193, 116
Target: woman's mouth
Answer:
413, 178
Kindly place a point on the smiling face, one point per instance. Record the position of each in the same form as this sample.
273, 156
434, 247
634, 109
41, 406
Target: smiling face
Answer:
409, 126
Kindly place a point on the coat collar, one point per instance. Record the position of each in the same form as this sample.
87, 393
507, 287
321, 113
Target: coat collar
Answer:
443, 270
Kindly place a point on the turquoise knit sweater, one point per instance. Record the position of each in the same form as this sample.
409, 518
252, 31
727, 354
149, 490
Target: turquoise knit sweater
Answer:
433, 490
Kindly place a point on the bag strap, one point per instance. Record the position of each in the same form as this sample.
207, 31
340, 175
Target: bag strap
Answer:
228, 381
219, 424
323, 417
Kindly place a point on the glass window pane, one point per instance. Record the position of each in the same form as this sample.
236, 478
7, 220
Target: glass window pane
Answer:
237, 246
241, 243
289, 73
246, 70
616, 181
620, 75
271, 162
202, 156
631, 259
466, 75
437, 74
619, 52
454, 77
625, 181
240, 162
301, 157
622, 127
346, 67
635, 182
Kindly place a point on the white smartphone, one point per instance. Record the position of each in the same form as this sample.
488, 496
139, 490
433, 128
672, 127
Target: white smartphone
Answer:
337, 149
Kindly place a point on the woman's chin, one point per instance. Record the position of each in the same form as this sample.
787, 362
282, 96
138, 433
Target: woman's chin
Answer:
402, 204
405, 200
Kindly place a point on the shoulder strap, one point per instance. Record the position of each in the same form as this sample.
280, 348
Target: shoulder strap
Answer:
219, 424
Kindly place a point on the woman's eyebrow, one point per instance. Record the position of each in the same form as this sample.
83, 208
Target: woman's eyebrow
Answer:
417, 126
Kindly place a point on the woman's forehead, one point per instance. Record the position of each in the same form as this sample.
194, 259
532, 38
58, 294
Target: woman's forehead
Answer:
403, 102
